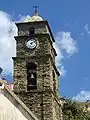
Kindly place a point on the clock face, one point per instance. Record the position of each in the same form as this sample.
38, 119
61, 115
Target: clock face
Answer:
31, 43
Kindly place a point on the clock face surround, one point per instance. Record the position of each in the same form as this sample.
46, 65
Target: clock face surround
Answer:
31, 43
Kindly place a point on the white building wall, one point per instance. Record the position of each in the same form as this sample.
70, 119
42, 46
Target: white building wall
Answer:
8, 111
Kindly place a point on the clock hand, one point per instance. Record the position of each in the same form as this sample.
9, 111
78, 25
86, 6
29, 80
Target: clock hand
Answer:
32, 42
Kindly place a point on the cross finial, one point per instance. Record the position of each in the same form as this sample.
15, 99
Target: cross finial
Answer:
35, 10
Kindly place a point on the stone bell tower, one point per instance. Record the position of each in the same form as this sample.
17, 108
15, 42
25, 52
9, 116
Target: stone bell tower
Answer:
35, 73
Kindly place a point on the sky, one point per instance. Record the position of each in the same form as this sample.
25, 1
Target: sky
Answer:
70, 24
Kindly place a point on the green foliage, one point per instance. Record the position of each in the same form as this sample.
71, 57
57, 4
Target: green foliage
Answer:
73, 111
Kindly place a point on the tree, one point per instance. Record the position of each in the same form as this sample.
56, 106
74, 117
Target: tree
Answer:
73, 111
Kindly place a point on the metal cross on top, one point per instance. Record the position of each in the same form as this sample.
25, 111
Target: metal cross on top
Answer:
36, 10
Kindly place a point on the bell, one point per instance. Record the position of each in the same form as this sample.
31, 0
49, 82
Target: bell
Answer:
32, 76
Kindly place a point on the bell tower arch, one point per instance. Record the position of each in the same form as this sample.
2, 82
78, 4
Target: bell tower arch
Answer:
31, 76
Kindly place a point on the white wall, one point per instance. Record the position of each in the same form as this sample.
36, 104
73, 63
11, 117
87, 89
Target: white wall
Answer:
8, 111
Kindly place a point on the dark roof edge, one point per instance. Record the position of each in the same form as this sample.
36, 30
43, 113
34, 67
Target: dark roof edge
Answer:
50, 31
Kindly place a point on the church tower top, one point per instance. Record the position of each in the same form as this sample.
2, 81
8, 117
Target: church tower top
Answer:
35, 17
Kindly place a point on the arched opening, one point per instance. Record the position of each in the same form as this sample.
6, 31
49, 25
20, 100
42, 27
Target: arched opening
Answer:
31, 76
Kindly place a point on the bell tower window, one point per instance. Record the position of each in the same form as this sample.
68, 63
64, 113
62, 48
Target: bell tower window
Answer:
32, 31
31, 76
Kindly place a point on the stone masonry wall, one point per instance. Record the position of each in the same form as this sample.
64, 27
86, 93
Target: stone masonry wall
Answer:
43, 47
43, 74
41, 104
57, 111
39, 28
33, 100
